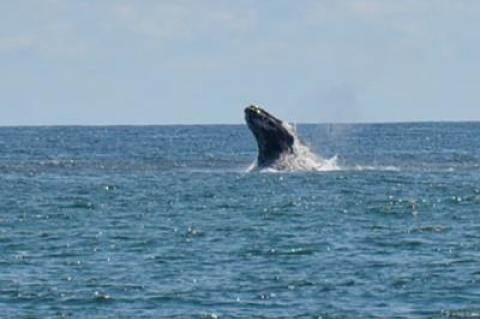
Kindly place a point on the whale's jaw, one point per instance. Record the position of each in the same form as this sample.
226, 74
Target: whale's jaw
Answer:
273, 138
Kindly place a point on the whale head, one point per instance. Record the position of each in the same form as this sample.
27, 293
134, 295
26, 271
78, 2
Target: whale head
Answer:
273, 137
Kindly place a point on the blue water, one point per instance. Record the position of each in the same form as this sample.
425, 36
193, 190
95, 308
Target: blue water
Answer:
165, 222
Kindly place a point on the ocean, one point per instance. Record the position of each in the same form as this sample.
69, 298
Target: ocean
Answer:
167, 222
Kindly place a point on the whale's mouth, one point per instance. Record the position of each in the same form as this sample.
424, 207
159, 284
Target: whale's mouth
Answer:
273, 137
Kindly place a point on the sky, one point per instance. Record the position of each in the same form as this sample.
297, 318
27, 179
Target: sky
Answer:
135, 62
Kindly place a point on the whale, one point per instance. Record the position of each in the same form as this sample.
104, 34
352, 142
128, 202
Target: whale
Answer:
274, 138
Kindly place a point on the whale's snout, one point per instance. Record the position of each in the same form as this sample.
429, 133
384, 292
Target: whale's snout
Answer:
255, 116
253, 110
255, 113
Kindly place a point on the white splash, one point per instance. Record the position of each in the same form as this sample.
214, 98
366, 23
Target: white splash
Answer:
375, 168
302, 159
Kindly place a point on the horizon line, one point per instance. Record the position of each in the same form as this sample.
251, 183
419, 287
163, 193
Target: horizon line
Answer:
237, 124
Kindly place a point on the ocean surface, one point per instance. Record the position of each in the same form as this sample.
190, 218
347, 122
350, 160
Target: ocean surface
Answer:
166, 222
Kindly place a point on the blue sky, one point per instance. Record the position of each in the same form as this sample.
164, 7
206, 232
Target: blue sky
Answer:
192, 61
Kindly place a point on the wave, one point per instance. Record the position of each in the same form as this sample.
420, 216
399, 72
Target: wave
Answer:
388, 168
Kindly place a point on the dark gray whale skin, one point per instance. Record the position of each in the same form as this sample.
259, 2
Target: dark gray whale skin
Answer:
273, 139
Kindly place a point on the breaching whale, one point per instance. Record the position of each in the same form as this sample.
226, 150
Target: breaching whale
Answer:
279, 148
274, 139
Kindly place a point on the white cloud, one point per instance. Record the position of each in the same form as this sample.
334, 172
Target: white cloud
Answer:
123, 10
160, 20
45, 28
367, 7
15, 43
177, 19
